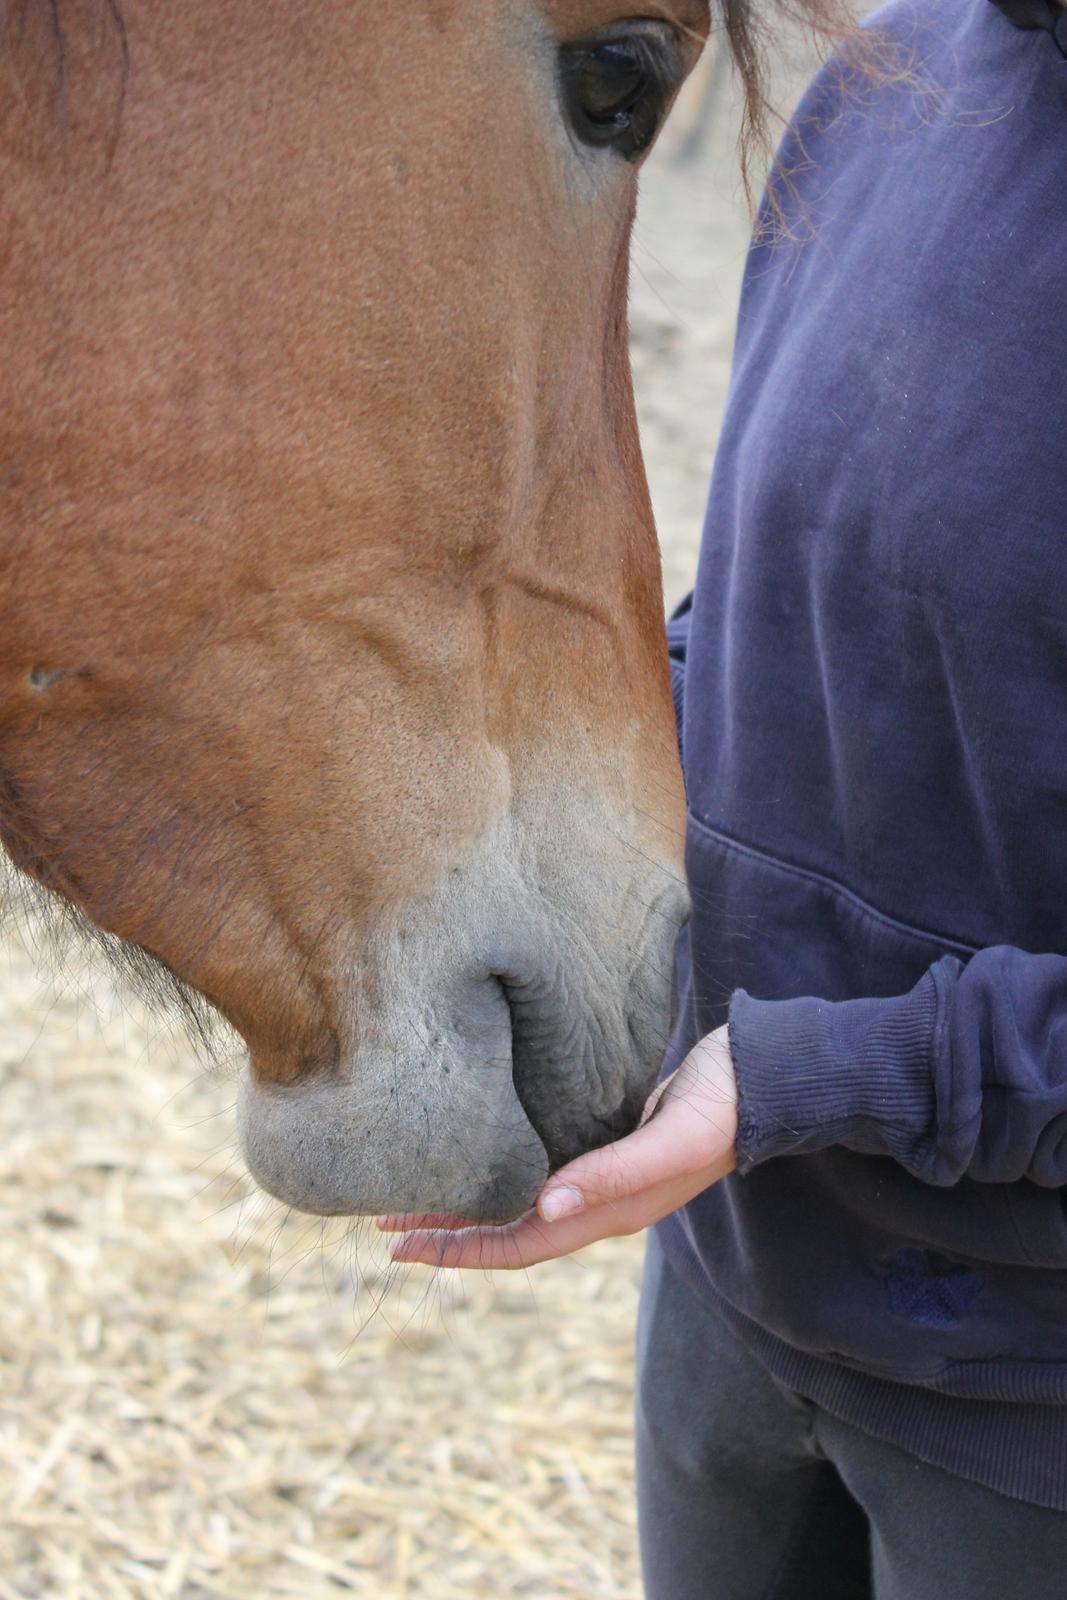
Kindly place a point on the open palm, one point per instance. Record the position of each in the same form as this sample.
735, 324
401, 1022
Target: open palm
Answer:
684, 1144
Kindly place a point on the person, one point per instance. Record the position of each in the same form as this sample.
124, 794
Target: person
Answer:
852, 1373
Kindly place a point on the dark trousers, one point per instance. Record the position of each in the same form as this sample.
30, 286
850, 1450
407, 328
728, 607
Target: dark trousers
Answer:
746, 1491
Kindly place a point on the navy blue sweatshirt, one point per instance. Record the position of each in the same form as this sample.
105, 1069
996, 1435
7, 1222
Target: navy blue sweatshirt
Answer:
872, 674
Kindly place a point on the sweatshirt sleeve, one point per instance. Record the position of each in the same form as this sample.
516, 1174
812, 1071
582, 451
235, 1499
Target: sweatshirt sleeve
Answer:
677, 644
966, 1076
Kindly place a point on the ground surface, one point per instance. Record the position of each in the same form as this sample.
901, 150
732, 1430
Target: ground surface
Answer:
200, 1397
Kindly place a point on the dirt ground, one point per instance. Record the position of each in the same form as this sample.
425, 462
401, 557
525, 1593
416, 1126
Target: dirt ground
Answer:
203, 1397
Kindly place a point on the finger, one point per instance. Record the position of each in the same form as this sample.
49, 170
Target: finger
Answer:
530, 1240
404, 1222
524, 1243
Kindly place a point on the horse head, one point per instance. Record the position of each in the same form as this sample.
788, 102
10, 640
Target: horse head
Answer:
332, 668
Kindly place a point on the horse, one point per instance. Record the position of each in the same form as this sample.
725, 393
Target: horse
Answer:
332, 665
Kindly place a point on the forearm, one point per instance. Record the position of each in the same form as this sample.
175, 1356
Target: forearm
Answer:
964, 1076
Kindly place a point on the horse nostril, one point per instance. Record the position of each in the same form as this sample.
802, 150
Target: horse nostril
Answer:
561, 1069
528, 1064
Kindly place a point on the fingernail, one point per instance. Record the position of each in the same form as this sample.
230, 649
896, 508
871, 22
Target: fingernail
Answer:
561, 1202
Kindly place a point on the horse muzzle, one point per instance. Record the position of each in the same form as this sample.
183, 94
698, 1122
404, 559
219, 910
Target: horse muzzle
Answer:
460, 1091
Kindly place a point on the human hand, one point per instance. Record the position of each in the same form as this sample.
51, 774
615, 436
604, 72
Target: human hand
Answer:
685, 1143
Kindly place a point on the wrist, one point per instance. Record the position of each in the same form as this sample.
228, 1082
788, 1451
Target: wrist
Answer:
813, 1073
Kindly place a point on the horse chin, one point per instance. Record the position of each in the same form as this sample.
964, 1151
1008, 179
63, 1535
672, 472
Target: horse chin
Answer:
367, 1145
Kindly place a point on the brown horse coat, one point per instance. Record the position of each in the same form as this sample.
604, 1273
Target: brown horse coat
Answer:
331, 657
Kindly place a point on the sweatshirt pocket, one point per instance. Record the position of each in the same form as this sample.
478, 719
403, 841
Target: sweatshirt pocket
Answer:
782, 931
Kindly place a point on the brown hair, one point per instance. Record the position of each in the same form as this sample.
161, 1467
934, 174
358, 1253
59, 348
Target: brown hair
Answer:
751, 26
753, 30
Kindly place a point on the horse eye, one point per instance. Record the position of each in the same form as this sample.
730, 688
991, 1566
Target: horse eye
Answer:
615, 90
609, 82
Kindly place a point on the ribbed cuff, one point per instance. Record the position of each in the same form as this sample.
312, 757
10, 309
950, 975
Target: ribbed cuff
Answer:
815, 1073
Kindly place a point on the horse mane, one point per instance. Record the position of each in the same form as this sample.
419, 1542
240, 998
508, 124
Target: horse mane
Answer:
866, 58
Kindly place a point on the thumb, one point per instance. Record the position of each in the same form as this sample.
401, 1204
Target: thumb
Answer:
690, 1126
